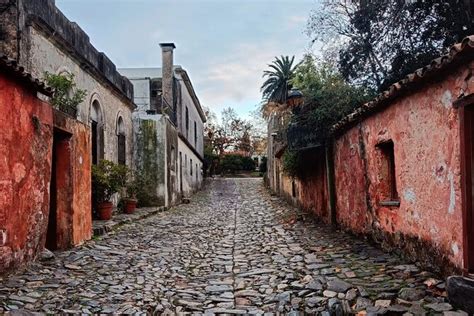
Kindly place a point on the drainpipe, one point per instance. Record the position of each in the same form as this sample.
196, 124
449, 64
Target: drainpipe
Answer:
331, 183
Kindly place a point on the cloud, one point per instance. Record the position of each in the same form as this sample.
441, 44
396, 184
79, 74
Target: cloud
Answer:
296, 20
236, 79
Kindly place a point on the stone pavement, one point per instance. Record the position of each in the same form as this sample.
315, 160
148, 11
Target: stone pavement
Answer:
234, 249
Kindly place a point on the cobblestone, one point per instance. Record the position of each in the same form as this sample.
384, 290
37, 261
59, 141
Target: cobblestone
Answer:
235, 249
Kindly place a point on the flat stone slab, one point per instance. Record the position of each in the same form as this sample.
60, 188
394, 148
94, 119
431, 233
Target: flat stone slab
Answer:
234, 249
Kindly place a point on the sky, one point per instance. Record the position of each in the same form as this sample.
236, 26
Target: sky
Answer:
224, 45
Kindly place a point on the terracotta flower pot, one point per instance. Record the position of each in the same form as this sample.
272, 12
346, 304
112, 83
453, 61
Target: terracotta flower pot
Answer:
104, 210
130, 206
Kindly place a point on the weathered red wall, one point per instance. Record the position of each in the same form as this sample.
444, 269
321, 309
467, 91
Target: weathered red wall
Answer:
25, 171
312, 187
424, 128
75, 217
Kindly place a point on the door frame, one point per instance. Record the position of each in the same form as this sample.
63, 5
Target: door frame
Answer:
466, 116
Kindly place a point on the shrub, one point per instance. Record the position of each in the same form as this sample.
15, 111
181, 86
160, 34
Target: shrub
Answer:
66, 97
108, 178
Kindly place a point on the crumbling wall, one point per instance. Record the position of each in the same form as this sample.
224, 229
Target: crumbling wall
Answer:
150, 159
78, 226
312, 187
424, 127
25, 172
8, 28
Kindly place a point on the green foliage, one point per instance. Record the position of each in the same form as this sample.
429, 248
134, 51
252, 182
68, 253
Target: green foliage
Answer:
292, 163
145, 190
234, 163
66, 97
379, 43
278, 79
108, 178
328, 98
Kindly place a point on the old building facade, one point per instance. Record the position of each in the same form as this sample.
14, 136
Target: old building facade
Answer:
40, 38
399, 168
50, 169
168, 116
45, 179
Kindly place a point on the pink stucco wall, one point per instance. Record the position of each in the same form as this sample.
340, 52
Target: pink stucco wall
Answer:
425, 129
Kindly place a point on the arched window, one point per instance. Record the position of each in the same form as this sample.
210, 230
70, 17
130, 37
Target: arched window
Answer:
97, 127
121, 142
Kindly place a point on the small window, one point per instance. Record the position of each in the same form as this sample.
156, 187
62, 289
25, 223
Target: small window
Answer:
187, 121
191, 166
197, 172
195, 134
121, 142
387, 174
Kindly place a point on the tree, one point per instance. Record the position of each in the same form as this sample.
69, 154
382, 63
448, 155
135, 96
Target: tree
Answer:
278, 79
328, 97
380, 42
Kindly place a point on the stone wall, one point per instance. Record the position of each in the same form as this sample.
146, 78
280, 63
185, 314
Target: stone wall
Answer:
45, 56
25, 172
150, 157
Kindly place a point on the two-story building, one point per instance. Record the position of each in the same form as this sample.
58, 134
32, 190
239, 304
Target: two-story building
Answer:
169, 125
36, 35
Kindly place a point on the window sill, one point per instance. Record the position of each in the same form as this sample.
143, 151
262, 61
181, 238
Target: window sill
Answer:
390, 203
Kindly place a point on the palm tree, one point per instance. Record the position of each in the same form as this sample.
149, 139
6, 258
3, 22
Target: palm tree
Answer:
278, 83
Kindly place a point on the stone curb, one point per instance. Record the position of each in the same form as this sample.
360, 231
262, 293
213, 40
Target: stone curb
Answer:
103, 227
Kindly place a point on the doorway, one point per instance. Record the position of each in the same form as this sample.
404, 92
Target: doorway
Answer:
467, 174
59, 219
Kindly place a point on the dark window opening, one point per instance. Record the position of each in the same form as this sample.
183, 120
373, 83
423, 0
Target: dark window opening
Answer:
121, 149
195, 134
191, 166
187, 122
387, 175
94, 143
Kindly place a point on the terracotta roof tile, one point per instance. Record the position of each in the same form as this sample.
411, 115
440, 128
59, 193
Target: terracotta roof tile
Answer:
10, 66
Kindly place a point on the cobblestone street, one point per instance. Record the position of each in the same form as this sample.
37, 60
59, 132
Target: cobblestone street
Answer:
234, 249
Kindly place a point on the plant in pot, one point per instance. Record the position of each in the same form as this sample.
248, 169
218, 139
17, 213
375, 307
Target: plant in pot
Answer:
131, 187
107, 179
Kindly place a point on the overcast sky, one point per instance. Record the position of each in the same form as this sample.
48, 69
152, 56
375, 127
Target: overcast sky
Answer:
223, 44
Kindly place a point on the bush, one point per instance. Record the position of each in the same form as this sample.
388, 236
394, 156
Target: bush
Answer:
65, 97
234, 163
108, 178
231, 163
247, 164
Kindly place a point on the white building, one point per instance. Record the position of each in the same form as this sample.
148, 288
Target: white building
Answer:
169, 128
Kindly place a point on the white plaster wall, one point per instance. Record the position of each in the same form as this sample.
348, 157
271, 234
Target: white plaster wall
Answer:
45, 56
191, 183
187, 101
141, 94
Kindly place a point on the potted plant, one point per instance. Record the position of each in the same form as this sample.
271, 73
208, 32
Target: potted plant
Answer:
107, 179
131, 187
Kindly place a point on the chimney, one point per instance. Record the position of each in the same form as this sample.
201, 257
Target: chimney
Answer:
167, 74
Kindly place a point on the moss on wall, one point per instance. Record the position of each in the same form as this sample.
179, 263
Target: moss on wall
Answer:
148, 164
